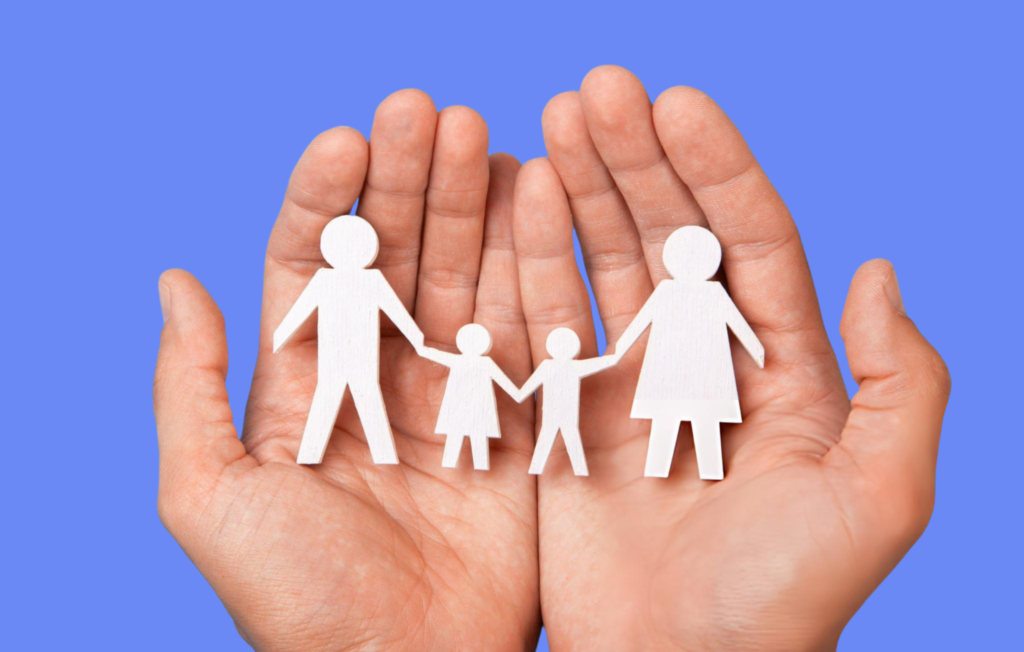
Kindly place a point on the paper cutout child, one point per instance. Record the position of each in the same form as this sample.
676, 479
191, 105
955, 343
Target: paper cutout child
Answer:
349, 298
469, 408
687, 374
560, 377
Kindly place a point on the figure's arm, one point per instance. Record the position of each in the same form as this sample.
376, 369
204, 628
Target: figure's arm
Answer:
437, 355
635, 328
299, 313
503, 381
532, 384
742, 330
392, 306
591, 366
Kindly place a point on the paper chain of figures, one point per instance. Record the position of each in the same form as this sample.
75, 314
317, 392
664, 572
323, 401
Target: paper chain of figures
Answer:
687, 372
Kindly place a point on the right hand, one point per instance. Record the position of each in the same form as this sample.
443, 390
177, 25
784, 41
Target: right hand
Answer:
821, 497
347, 554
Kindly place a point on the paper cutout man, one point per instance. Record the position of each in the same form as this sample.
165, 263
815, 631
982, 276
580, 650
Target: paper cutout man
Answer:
349, 298
687, 374
560, 377
469, 408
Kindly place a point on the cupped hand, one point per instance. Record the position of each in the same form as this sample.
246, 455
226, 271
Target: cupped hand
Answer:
347, 554
822, 495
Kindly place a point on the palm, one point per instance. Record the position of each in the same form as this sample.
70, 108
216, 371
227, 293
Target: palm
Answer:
421, 528
813, 510
694, 547
412, 555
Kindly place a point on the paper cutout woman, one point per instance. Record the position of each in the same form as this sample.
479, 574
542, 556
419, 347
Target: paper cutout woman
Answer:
469, 408
560, 377
687, 373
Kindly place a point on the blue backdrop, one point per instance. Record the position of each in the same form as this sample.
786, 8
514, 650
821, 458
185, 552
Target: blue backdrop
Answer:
144, 136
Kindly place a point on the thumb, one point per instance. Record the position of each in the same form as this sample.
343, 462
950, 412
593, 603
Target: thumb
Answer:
195, 432
893, 429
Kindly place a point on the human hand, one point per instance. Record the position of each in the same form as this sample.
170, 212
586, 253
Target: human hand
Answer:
347, 554
821, 497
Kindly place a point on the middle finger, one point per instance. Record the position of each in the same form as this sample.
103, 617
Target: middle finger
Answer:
454, 228
401, 148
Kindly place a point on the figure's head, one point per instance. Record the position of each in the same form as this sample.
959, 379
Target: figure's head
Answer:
473, 339
692, 253
349, 242
563, 344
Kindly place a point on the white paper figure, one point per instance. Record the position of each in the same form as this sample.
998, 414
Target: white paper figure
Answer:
469, 408
560, 378
349, 298
687, 374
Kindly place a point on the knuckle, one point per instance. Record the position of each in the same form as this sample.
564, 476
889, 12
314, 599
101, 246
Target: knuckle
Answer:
752, 245
614, 259
456, 203
556, 314
449, 278
500, 312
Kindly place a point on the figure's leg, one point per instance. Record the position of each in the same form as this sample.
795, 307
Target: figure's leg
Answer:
545, 441
574, 446
481, 452
452, 448
707, 440
661, 447
374, 417
323, 413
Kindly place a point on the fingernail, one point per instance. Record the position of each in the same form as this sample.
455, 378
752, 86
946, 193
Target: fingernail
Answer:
165, 300
892, 290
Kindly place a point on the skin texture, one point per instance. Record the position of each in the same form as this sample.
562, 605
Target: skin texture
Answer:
348, 555
822, 495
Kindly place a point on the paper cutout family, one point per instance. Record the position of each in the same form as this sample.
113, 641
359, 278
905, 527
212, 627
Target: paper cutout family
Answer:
687, 372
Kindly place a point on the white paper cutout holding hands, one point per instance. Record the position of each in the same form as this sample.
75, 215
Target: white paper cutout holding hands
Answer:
560, 378
349, 299
469, 408
687, 373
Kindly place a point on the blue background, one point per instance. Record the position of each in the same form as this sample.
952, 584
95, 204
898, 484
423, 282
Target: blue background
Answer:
139, 137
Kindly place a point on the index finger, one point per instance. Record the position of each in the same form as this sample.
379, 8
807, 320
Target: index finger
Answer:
325, 183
